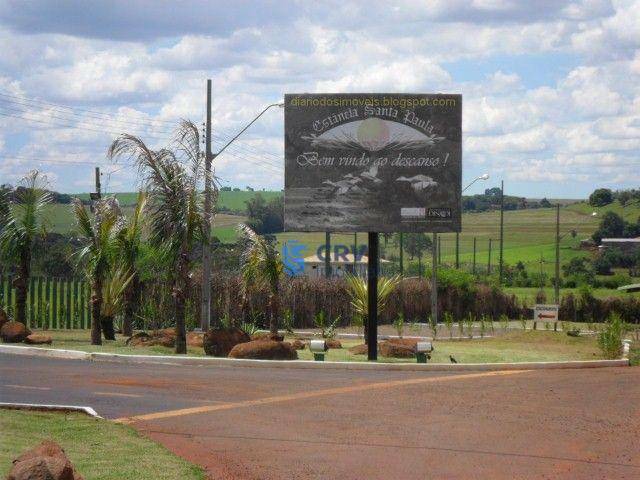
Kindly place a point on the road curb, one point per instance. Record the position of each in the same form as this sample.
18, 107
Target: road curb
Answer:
306, 364
50, 408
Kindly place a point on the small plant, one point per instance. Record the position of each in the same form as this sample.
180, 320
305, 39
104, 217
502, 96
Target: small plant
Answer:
227, 322
433, 326
504, 322
250, 328
490, 323
287, 321
357, 321
327, 328
523, 322
469, 323
565, 326
590, 326
398, 324
461, 327
483, 325
414, 327
448, 321
547, 326
610, 337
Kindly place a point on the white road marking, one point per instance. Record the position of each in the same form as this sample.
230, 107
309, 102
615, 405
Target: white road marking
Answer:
27, 387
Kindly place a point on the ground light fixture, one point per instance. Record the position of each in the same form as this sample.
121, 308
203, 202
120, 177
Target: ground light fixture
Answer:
423, 351
319, 349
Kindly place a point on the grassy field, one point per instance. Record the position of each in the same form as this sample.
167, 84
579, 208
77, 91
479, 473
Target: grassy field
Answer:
529, 294
99, 449
512, 346
231, 200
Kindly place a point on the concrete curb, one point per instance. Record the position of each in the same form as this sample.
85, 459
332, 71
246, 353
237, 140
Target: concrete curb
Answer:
306, 364
50, 408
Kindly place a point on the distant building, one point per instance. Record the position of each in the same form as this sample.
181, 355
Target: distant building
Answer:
314, 266
627, 245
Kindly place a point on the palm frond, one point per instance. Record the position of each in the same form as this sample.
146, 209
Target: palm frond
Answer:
358, 292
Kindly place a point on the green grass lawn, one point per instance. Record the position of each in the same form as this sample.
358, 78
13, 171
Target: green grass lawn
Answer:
512, 346
99, 449
529, 294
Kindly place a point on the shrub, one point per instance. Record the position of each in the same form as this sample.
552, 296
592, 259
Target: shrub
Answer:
610, 337
448, 321
398, 324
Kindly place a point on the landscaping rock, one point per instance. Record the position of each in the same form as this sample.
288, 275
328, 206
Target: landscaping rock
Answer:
361, 349
406, 342
267, 336
333, 343
264, 350
14, 332
138, 338
165, 338
195, 339
4, 318
47, 461
298, 344
38, 339
395, 350
218, 342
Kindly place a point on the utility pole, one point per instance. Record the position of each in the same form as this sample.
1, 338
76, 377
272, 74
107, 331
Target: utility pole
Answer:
501, 232
205, 316
439, 250
98, 186
327, 254
557, 282
434, 278
401, 254
355, 253
474, 255
489, 263
457, 249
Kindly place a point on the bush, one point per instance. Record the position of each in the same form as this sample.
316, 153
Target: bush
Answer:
610, 337
601, 197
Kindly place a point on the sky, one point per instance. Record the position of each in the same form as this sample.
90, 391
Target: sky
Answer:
551, 88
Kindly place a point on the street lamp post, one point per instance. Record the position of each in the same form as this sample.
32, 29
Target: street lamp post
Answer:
484, 176
205, 320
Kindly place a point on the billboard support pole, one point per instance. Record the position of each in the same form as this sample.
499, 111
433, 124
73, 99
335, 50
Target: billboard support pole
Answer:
327, 255
372, 298
434, 280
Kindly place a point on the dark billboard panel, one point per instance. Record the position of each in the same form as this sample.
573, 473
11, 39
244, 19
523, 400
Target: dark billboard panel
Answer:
373, 162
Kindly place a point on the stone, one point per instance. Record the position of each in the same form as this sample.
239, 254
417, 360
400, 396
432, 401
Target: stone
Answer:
4, 318
395, 350
264, 350
38, 339
47, 461
298, 344
14, 332
218, 342
195, 339
333, 343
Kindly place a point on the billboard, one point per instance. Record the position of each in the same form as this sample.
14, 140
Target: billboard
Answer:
373, 162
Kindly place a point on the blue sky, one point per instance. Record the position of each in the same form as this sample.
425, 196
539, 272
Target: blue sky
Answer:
551, 88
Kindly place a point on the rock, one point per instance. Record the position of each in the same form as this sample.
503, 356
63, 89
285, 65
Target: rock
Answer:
38, 339
47, 461
361, 349
264, 350
4, 318
195, 339
267, 336
14, 332
165, 338
406, 342
218, 342
333, 343
298, 344
395, 350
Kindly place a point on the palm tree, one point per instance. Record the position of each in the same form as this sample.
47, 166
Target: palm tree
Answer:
175, 208
262, 267
98, 239
21, 222
129, 240
358, 291
113, 293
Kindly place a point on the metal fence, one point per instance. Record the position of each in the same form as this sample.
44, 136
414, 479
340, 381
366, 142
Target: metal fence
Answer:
57, 303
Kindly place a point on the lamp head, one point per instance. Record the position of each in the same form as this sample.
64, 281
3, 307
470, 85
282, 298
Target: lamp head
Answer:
484, 176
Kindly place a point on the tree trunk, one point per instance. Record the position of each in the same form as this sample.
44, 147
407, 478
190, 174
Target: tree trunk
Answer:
21, 285
132, 300
107, 328
179, 289
96, 304
274, 308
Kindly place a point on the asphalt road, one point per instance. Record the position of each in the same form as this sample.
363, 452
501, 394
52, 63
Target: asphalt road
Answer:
245, 423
